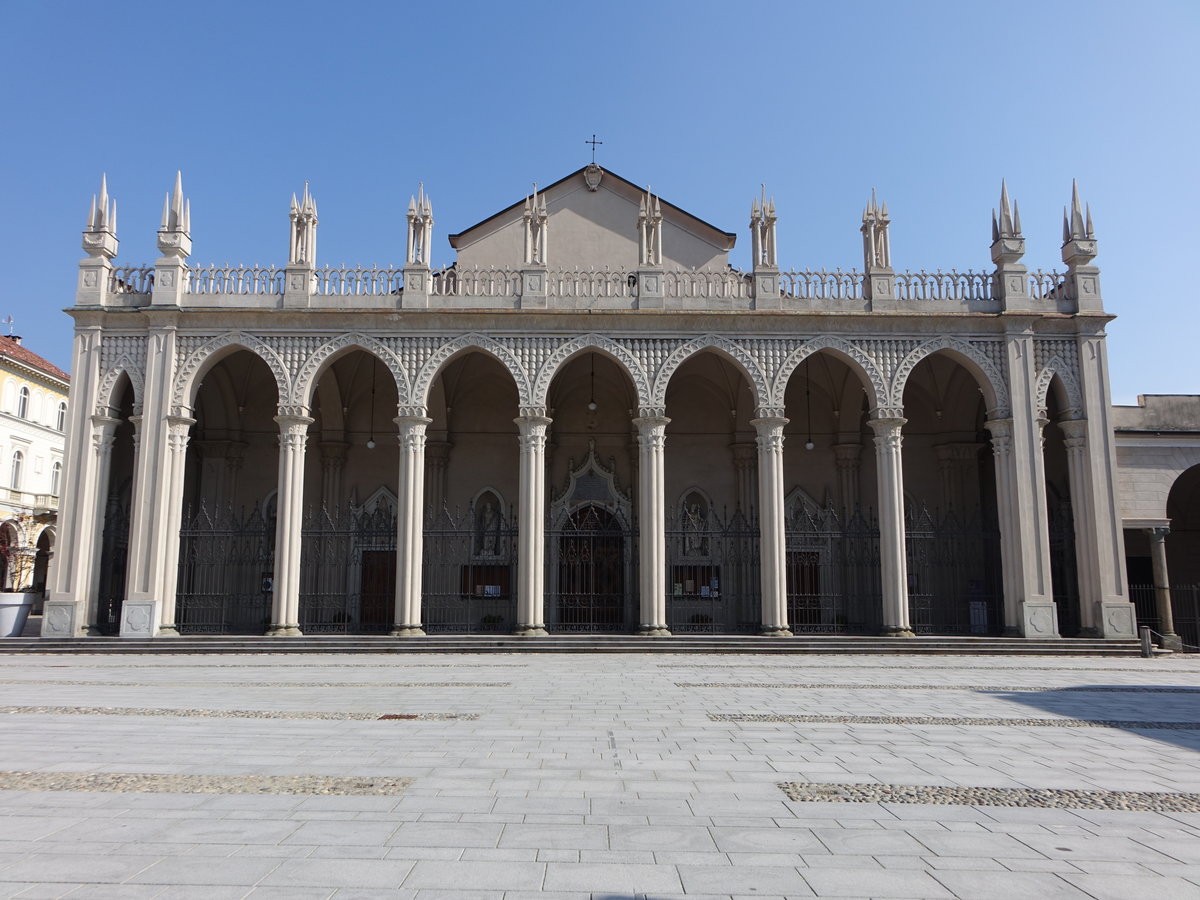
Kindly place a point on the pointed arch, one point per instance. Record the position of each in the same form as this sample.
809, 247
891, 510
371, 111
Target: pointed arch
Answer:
332, 350
204, 357
989, 378
107, 393
566, 351
735, 353
873, 382
423, 383
1070, 398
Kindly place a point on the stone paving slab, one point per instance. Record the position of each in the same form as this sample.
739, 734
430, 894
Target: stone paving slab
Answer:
597, 776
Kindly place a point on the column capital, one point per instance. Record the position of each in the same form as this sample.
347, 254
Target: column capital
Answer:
651, 424
1157, 533
1074, 429
292, 424
412, 423
530, 424
769, 424
105, 423
847, 454
884, 425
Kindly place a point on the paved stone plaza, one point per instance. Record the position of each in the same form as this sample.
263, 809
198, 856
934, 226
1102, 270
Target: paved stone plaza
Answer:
605, 776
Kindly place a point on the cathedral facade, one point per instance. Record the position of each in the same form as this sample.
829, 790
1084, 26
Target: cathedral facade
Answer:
590, 422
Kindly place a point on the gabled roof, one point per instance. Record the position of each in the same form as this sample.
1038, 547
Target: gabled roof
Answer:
10, 348
729, 238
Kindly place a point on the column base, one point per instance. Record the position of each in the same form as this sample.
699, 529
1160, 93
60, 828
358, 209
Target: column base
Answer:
898, 632
59, 618
284, 631
775, 631
408, 631
139, 619
654, 631
168, 631
1039, 619
1170, 642
1118, 620
531, 631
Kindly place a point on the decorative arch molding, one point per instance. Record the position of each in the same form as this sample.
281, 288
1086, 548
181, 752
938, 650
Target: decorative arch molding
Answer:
108, 383
418, 396
306, 377
560, 354
876, 384
186, 374
1058, 366
994, 387
591, 483
732, 350
382, 498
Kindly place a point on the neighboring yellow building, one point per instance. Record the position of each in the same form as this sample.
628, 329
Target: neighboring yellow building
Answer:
33, 418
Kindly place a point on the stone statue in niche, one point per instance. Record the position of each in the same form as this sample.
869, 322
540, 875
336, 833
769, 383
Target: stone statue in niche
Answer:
695, 542
487, 529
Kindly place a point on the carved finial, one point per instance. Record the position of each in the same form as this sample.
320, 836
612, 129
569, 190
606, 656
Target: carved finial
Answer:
420, 228
877, 247
1079, 237
1078, 229
303, 234
100, 235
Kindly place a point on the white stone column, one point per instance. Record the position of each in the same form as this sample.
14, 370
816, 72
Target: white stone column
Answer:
772, 542
893, 561
178, 428
531, 526
1037, 614
410, 529
652, 524
289, 505
74, 573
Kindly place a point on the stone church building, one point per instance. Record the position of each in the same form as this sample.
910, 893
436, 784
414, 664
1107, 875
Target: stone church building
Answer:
590, 422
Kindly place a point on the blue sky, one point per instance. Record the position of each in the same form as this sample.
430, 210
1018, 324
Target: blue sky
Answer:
931, 103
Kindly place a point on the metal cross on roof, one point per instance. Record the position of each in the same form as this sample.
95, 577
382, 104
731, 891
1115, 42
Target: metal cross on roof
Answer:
593, 142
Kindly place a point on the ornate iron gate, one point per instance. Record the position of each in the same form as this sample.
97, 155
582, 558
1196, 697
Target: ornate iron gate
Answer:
590, 573
469, 572
953, 574
712, 573
114, 557
833, 576
348, 572
226, 573
1064, 578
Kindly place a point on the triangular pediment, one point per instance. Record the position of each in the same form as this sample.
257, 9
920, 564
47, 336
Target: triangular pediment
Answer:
593, 216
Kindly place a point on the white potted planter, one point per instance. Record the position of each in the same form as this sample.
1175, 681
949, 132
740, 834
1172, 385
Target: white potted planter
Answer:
14, 610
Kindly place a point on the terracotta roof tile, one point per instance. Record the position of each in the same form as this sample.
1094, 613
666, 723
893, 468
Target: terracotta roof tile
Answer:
12, 350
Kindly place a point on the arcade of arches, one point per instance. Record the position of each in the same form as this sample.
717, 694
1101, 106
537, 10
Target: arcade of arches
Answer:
650, 523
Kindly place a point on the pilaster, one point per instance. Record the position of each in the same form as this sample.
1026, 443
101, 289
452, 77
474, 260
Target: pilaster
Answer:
772, 540
410, 510
531, 525
893, 561
1115, 616
74, 572
1029, 520
848, 459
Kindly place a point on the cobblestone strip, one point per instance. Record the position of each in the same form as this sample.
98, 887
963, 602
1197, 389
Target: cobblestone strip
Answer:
228, 713
1141, 670
980, 688
266, 684
1046, 798
202, 784
948, 720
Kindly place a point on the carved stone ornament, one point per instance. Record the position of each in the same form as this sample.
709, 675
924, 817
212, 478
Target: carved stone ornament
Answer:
592, 175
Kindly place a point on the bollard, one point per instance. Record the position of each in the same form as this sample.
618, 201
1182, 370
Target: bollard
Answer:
1147, 647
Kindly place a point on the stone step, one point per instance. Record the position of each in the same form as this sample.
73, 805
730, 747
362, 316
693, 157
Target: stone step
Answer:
838, 645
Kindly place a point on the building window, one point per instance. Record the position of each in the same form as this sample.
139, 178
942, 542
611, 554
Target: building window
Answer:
61, 424
55, 478
23, 403
17, 461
